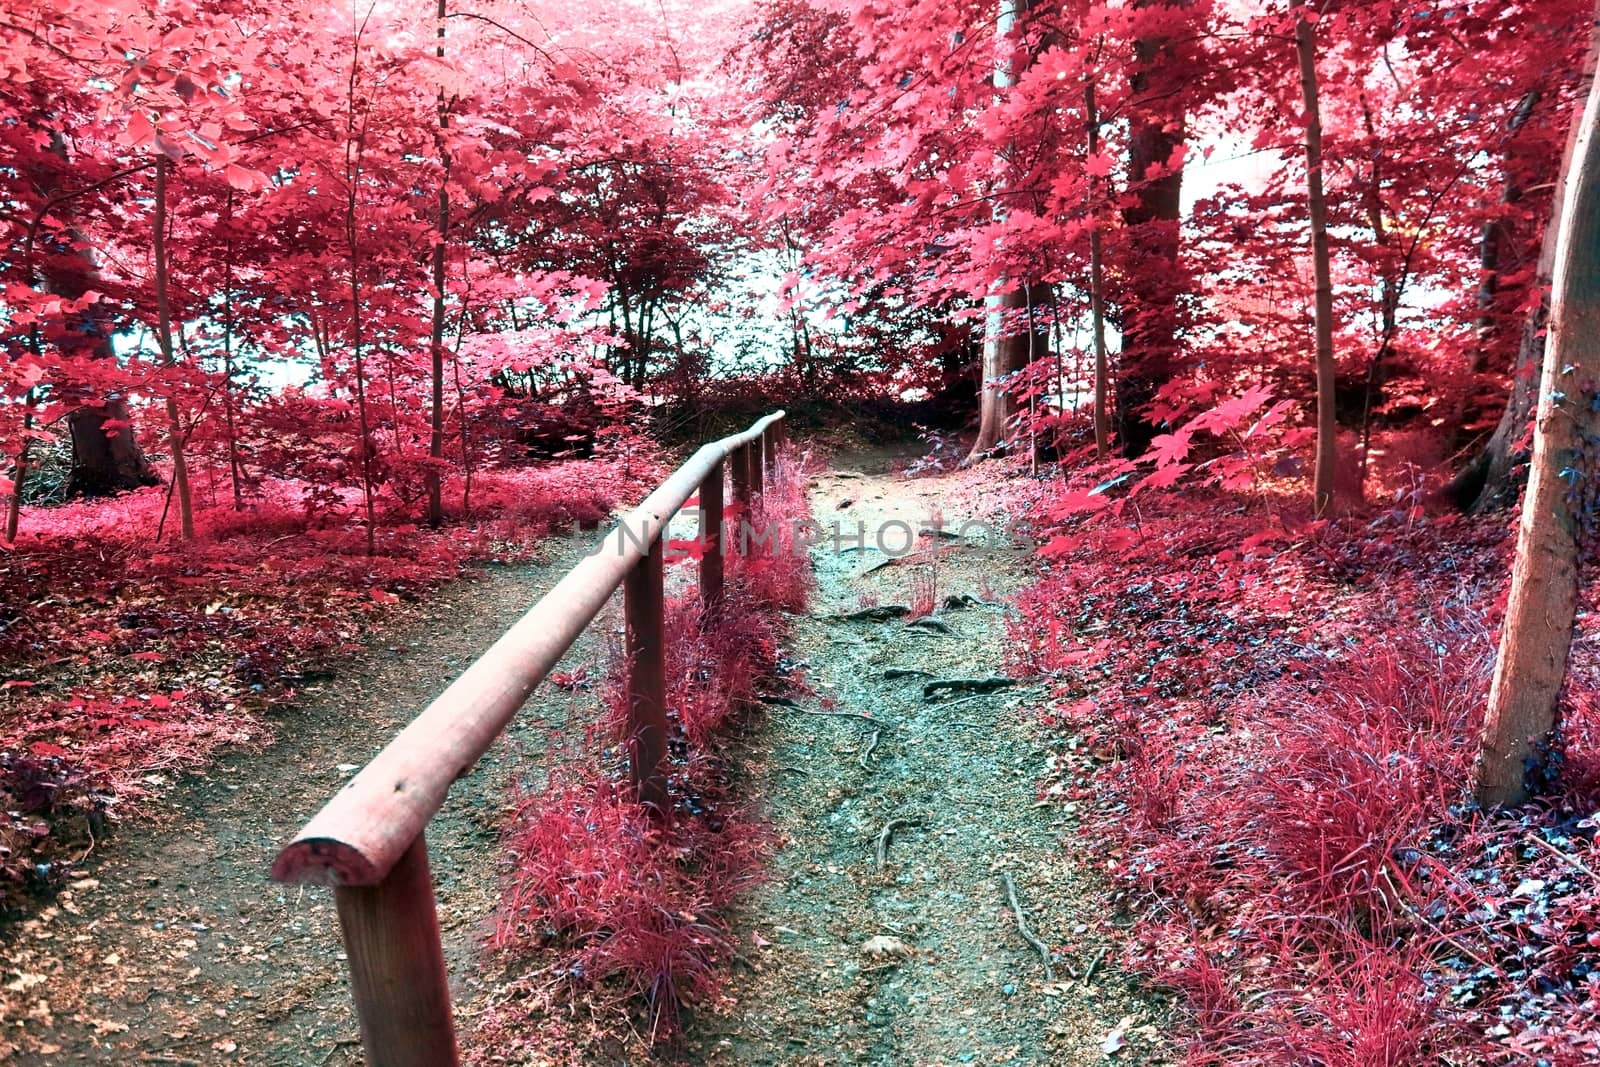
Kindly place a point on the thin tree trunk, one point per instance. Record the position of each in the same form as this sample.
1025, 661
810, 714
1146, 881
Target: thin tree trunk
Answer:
352, 166
1388, 309
175, 435
1327, 427
230, 420
19, 474
1531, 666
993, 410
436, 341
1097, 281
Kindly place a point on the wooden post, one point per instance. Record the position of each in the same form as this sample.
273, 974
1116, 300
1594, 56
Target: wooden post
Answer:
711, 534
758, 464
739, 473
771, 438
397, 975
647, 712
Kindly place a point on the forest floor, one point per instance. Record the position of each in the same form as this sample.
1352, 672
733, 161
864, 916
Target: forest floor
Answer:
169, 945
918, 961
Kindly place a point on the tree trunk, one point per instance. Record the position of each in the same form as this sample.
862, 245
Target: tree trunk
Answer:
1489, 482
1327, 427
1388, 304
436, 340
106, 458
1532, 662
999, 358
229, 415
175, 434
19, 473
1150, 299
1097, 281
354, 148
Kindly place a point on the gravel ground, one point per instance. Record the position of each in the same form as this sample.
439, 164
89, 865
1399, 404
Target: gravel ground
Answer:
921, 961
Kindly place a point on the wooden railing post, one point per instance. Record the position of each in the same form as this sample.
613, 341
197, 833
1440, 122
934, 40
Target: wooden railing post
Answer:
739, 475
769, 444
711, 534
758, 464
646, 740
397, 975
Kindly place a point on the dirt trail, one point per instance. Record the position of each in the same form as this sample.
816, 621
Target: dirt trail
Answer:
948, 979
174, 948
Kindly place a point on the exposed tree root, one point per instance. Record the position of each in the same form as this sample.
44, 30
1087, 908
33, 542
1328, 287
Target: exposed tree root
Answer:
1022, 927
886, 835
966, 685
880, 613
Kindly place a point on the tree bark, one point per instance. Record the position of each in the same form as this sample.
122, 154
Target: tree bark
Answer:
229, 415
1003, 355
1490, 480
19, 473
1322, 491
355, 147
1150, 300
1531, 666
175, 434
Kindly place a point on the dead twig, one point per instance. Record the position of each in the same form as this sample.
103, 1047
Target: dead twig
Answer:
1570, 860
845, 715
1022, 927
886, 835
1088, 972
943, 704
338, 1046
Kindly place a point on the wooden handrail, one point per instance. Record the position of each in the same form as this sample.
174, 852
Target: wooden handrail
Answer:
363, 831
368, 841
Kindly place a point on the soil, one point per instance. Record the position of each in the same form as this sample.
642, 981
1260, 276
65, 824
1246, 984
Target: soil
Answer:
170, 945
921, 961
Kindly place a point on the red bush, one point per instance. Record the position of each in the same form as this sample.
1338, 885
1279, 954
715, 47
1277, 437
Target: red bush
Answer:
776, 569
1281, 725
634, 901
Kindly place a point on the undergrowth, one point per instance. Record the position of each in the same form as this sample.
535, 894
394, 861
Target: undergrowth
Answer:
1275, 723
620, 910
125, 658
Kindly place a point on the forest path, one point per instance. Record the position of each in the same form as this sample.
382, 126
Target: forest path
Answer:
920, 962
176, 949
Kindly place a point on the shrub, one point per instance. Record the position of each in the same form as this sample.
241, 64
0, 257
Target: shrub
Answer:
1279, 731
633, 901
